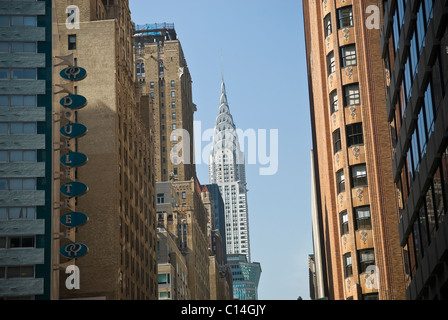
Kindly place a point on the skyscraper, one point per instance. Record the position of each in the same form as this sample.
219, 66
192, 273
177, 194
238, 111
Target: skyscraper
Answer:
246, 276
415, 52
26, 131
354, 199
227, 170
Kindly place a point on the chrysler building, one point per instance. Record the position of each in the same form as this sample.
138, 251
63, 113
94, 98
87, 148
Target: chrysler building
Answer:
227, 170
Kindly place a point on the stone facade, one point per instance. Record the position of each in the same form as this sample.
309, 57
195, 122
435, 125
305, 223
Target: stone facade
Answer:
121, 232
186, 218
163, 74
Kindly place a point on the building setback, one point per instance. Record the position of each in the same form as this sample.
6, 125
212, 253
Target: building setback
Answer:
172, 268
121, 232
220, 274
414, 47
357, 215
182, 214
25, 150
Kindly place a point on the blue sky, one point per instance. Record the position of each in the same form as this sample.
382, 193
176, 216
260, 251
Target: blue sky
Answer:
261, 45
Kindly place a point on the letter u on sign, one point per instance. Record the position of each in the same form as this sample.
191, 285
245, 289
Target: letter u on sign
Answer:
73, 130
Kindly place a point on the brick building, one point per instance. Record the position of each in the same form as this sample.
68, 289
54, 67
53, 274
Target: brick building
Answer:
355, 199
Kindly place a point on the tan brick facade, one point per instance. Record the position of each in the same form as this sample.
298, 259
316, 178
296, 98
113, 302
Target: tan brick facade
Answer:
346, 243
120, 203
167, 79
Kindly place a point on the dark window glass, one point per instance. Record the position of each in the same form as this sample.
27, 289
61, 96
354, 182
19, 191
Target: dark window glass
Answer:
340, 179
348, 56
337, 146
327, 25
72, 42
348, 269
345, 17
363, 218
431, 211
370, 296
334, 101
366, 259
331, 63
351, 95
354, 134
344, 222
359, 175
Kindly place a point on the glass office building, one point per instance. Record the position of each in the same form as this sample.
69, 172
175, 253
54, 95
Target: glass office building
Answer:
415, 53
25, 149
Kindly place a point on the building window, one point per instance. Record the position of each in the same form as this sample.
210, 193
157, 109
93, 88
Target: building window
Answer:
18, 156
348, 56
345, 17
18, 127
13, 20
344, 222
17, 213
161, 69
151, 84
173, 83
18, 47
370, 296
72, 42
366, 259
363, 219
337, 145
18, 101
184, 195
340, 179
334, 106
348, 269
18, 74
354, 134
18, 184
331, 63
17, 242
351, 95
327, 25
160, 198
173, 94
173, 116
359, 176
11, 272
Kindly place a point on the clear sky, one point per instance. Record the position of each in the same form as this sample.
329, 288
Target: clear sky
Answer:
260, 44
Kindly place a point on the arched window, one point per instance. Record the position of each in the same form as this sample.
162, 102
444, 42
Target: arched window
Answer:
138, 69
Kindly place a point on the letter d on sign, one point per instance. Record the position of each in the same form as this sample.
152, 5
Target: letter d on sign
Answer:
72, 281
